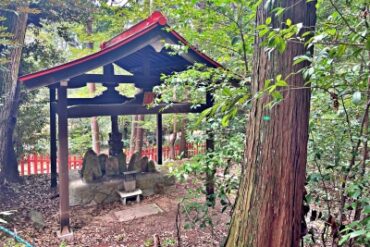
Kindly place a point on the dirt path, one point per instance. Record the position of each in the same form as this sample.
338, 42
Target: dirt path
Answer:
95, 226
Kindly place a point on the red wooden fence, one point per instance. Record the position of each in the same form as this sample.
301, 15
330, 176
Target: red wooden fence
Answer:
40, 164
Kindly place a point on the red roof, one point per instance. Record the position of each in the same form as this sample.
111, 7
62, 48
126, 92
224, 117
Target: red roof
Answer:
153, 21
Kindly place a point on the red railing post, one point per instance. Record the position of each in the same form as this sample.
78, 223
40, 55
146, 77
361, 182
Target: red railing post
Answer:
69, 162
74, 162
29, 164
42, 159
22, 166
48, 164
35, 163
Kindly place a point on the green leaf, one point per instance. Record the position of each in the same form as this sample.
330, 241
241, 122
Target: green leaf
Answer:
288, 22
263, 32
356, 97
268, 20
281, 83
368, 42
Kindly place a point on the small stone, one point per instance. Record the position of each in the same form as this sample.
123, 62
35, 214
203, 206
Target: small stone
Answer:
159, 188
100, 197
37, 219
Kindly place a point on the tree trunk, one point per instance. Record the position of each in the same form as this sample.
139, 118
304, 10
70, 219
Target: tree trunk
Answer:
139, 135
91, 86
268, 208
173, 138
182, 142
133, 133
9, 90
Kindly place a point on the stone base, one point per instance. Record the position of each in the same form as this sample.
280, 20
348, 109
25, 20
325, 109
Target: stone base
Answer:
104, 191
65, 236
124, 195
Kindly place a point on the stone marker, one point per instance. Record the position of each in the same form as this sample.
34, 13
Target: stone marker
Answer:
112, 166
90, 167
131, 165
151, 166
102, 160
122, 162
142, 164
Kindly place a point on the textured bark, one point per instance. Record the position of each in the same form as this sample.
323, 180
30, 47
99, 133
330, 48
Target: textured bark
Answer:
182, 142
91, 87
133, 133
268, 207
139, 135
9, 92
173, 138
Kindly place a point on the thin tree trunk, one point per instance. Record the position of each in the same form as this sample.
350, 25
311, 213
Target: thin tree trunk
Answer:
173, 138
182, 142
139, 136
91, 86
268, 210
365, 151
133, 133
9, 91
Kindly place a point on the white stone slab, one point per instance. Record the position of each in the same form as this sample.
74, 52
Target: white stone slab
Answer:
138, 211
124, 194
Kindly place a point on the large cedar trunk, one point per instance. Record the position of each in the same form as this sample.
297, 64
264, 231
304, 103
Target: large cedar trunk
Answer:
9, 92
91, 86
268, 209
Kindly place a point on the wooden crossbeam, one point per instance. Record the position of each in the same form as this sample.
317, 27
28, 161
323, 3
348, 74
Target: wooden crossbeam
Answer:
82, 111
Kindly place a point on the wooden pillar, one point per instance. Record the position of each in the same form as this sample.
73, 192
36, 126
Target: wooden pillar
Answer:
159, 139
114, 121
53, 139
63, 159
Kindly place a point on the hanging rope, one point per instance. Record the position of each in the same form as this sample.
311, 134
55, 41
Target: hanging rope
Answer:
15, 236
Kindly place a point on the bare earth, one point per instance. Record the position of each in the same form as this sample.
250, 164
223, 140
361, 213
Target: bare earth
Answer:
98, 225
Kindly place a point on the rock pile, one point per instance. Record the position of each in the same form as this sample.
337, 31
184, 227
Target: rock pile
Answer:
94, 166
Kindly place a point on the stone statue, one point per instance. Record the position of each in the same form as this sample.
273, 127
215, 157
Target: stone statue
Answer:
122, 162
90, 167
142, 164
112, 166
102, 160
131, 165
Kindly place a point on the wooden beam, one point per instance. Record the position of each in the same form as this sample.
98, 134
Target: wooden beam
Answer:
82, 80
101, 99
63, 160
82, 111
53, 139
159, 139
